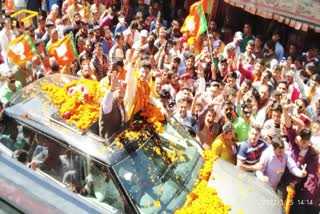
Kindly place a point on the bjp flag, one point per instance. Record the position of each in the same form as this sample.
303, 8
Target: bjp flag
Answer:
9, 5
195, 23
207, 6
64, 50
85, 13
21, 50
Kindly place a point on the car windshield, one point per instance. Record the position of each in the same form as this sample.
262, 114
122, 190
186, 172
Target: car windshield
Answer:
161, 172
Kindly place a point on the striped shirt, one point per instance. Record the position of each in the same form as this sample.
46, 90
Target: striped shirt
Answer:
251, 154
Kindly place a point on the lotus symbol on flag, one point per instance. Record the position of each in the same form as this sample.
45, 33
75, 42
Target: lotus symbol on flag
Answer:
191, 25
61, 51
18, 49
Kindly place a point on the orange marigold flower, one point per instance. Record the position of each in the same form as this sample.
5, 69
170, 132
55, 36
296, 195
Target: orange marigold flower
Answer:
78, 108
204, 199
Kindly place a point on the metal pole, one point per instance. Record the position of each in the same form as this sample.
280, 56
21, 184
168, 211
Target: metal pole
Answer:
210, 45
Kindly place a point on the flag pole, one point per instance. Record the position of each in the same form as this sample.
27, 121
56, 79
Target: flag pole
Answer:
210, 45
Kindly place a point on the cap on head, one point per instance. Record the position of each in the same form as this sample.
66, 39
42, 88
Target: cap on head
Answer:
49, 23
96, 27
144, 33
215, 84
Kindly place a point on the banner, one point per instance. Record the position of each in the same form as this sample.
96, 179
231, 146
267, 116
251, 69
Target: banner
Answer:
299, 14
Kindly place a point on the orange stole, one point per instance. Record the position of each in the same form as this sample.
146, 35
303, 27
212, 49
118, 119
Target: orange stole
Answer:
142, 95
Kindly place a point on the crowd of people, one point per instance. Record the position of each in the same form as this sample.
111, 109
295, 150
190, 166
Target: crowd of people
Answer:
251, 101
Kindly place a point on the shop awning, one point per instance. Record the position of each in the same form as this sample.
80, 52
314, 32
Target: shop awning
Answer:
299, 14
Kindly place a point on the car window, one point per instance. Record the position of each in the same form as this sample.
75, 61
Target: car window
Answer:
73, 170
45, 153
77, 172
98, 186
15, 136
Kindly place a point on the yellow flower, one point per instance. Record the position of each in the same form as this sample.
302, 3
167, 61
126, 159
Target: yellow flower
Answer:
78, 108
157, 204
204, 199
290, 195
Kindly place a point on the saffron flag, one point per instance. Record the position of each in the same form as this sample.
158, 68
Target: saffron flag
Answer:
207, 6
64, 50
195, 23
85, 13
21, 50
9, 5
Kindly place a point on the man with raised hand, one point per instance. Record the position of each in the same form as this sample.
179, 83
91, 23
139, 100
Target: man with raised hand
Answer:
112, 113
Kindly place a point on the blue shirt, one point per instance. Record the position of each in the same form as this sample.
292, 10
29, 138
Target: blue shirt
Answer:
120, 29
251, 154
279, 51
153, 24
106, 47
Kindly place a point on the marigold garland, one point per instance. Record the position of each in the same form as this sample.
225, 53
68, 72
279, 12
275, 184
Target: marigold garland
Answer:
151, 112
78, 101
290, 195
204, 199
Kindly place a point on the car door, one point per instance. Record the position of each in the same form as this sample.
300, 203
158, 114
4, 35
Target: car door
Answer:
59, 162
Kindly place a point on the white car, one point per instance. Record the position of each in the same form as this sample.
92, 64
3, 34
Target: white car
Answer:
123, 174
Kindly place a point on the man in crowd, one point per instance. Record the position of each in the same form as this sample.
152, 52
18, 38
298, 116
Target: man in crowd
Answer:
274, 161
99, 63
10, 86
224, 146
246, 37
112, 108
304, 154
250, 151
6, 35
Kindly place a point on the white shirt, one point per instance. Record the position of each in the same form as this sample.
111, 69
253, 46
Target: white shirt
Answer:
315, 140
186, 121
107, 105
20, 3
4, 41
136, 34
237, 50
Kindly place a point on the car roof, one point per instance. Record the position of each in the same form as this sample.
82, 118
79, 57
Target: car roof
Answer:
29, 192
32, 107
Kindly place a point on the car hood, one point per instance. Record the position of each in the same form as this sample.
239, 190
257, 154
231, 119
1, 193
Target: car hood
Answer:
242, 190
